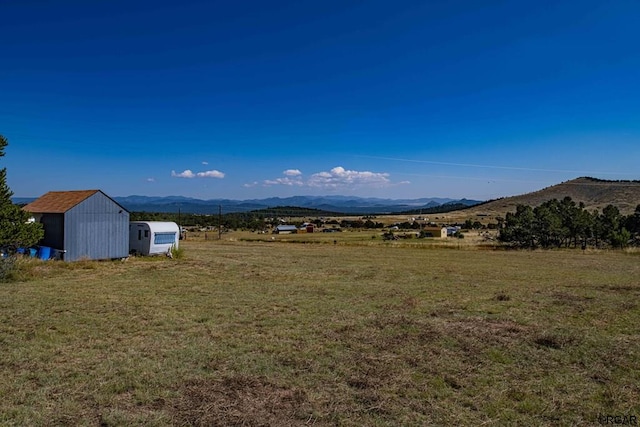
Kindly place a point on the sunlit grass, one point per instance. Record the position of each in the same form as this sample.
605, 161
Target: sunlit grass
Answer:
360, 332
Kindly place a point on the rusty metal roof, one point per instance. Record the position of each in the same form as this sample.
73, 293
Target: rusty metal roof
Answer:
58, 201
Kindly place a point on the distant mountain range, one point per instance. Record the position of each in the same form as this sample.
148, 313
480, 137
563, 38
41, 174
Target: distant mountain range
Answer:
338, 204
341, 204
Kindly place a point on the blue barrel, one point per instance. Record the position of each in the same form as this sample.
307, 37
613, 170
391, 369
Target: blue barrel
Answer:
44, 252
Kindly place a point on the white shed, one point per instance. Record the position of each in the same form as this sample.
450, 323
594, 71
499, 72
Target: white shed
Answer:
152, 237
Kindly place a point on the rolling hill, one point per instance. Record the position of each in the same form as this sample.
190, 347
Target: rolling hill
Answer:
594, 193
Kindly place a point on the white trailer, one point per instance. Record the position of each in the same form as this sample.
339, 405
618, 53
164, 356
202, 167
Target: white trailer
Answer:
152, 237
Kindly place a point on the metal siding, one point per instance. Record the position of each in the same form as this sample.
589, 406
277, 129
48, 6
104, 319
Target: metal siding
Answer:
97, 228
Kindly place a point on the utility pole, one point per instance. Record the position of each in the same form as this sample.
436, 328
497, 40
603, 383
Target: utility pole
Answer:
219, 222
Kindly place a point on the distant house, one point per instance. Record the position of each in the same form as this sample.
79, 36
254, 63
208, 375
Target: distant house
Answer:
85, 224
438, 232
308, 227
285, 229
452, 230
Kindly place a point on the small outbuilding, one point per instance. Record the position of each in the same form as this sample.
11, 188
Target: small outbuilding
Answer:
285, 229
438, 232
83, 224
452, 230
153, 237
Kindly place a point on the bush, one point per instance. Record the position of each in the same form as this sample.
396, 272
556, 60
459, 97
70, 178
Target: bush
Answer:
7, 268
389, 236
177, 252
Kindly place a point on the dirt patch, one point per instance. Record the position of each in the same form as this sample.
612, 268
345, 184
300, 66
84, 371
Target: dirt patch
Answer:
473, 336
486, 330
554, 340
387, 332
240, 401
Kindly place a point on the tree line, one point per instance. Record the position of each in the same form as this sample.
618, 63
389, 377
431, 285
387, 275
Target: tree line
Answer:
254, 221
563, 223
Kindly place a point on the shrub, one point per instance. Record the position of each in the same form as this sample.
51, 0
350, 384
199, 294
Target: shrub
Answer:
177, 252
389, 236
7, 268
502, 296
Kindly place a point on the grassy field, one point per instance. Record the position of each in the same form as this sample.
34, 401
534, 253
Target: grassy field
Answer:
360, 332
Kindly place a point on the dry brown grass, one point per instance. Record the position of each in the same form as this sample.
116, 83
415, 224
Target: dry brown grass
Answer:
239, 401
281, 333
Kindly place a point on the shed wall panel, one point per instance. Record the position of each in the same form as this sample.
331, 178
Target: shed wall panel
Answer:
97, 228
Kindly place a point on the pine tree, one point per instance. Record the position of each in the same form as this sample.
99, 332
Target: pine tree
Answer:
5, 192
15, 228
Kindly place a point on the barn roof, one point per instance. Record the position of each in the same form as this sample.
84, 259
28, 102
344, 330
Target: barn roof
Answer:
59, 201
286, 227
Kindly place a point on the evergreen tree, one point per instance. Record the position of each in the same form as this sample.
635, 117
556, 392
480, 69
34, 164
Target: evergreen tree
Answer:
633, 221
548, 230
584, 226
519, 228
15, 228
633, 225
5, 192
613, 222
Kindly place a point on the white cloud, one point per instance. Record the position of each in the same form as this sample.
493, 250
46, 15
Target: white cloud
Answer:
340, 177
210, 174
251, 184
284, 181
205, 163
292, 177
336, 178
186, 174
152, 179
206, 174
292, 172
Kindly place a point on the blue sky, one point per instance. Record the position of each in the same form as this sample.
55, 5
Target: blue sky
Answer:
402, 99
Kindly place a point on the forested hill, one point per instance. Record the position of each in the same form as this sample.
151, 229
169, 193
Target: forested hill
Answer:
594, 193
